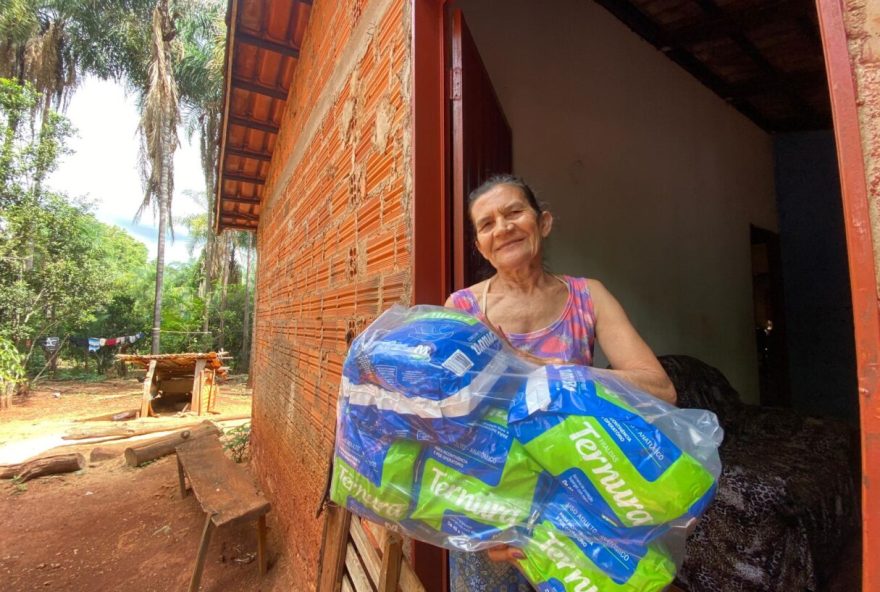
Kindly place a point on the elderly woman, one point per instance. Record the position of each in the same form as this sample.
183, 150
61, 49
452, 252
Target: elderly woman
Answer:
549, 318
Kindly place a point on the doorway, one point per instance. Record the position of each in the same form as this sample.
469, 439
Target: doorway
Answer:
639, 215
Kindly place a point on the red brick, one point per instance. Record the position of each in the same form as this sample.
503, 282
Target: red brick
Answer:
334, 251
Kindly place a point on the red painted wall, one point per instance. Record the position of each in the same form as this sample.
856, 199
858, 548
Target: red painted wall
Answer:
334, 243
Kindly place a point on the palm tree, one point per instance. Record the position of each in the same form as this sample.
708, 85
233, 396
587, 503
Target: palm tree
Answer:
50, 42
200, 72
160, 115
35, 48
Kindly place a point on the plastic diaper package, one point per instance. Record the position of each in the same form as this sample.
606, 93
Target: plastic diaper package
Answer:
449, 437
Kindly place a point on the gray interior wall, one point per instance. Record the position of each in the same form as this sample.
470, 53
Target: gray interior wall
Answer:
818, 305
653, 179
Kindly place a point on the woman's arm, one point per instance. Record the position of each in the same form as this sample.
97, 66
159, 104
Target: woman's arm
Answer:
629, 355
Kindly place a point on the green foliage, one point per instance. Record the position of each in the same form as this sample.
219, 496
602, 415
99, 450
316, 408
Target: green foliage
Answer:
27, 154
11, 367
236, 441
18, 485
51, 275
62, 272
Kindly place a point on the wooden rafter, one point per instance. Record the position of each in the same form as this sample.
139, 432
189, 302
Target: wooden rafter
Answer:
768, 70
244, 178
265, 126
241, 199
252, 86
241, 215
245, 153
800, 81
273, 46
237, 220
729, 21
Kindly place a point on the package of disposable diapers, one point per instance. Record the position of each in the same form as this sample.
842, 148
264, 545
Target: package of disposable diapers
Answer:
446, 435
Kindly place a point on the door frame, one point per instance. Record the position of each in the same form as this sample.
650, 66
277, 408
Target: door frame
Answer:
862, 268
432, 241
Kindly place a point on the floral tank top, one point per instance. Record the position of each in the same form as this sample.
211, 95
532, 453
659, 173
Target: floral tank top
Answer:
571, 337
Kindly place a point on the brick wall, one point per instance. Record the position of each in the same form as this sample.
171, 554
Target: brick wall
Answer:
862, 21
334, 245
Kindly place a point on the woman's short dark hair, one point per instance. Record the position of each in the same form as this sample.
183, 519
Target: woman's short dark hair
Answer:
505, 179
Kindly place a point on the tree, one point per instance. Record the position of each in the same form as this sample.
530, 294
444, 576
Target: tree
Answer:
160, 116
200, 72
51, 276
244, 356
25, 157
171, 52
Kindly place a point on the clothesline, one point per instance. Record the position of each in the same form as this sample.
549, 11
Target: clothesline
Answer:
92, 343
95, 343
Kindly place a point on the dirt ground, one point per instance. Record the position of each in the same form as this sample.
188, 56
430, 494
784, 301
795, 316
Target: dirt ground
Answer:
110, 526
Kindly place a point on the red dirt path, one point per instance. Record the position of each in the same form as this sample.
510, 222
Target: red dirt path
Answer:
113, 527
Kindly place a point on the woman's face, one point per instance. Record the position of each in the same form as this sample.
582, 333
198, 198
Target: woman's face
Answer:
509, 232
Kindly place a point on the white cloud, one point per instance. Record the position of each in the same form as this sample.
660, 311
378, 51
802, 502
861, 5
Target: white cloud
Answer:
104, 165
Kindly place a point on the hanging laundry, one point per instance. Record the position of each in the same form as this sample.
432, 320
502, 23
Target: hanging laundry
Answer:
50, 344
79, 341
112, 341
94, 344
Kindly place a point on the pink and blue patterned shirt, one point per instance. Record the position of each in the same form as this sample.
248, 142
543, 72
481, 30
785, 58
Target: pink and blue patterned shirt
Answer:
571, 337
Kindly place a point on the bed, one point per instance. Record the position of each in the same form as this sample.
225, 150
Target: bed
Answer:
787, 503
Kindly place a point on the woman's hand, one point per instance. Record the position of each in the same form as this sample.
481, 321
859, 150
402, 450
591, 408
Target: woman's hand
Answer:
505, 553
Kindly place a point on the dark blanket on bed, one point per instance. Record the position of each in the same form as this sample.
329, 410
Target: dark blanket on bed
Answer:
787, 503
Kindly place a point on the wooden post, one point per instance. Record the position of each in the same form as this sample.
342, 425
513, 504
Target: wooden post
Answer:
203, 552
262, 558
146, 407
181, 478
209, 389
198, 380
392, 556
336, 525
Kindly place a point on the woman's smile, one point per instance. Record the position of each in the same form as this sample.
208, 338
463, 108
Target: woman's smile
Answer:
509, 230
509, 244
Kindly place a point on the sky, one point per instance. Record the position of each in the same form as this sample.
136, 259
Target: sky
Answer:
104, 166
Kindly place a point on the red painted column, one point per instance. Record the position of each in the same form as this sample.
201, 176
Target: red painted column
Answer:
842, 86
431, 242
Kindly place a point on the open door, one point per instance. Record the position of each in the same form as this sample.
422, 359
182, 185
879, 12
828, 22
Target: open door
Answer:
482, 145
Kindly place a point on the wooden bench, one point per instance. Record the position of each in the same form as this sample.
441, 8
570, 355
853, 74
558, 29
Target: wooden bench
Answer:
226, 493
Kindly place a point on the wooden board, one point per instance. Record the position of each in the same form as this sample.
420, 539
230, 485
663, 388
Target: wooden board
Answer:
356, 572
370, 557
178, 364
350, 558
337, 522
150, 390
223, 488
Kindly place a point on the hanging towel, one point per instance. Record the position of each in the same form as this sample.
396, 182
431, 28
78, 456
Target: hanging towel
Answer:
50, 344
94, 344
